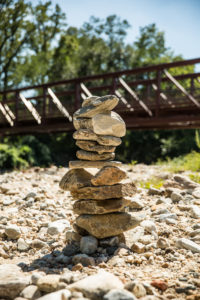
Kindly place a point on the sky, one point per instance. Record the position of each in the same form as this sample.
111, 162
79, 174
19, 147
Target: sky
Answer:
179, 19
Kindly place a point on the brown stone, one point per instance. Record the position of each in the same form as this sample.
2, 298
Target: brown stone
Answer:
75, 179
94, 146
97, 106
88, 101
82, 123
79, 164
105, 192
108, 140
85, 134
99, 207
112, 224
108, 176
87, 155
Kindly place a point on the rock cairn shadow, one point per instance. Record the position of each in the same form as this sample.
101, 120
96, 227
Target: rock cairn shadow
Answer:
100, 199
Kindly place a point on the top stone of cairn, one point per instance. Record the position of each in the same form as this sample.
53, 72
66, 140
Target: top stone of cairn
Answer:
96, 105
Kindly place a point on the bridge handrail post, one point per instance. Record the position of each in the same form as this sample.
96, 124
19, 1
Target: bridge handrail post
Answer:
77, 96
16, 107
158, 91
44, 102
114, 85
192, 86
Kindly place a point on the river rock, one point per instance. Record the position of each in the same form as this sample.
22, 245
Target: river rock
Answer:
88, 101
108, 176
109, 140
48, 283
75, 179
105, 191
59, 295
97, 106
111, 224
188, 244
119, 294
12, 281
94, 146
109, 124
185, 182
196, 193
99, 207
88, 244
82, 123
85, 134
58, 226
13, 232
195, 211
87, 155
79, 164
96, 286
31, 292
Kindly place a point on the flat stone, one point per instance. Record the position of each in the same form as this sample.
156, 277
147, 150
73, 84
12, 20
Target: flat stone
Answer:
96, 286
12, 281
87, 155
79, 164
94, 146
109, 124
85, 134
89, 100
75, 179
13, 232
108, 176
88, 244
48, 283
59, 295
82, 123
195, 211
119, 294
89, 135
105, 192
196, 193
188, 244
111, 224
185, 182
99, 207
83, 259
97, 106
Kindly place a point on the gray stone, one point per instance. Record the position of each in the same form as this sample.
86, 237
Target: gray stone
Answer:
111, 224
38, 244
12, 281
188, 244
96, 286
13, 232
185, 182
31, 292
196, 193
89, 100
176, 197
57, 227
97, 106
88, 155
109, 124
88, 244
119, 294
82, 123
78, 164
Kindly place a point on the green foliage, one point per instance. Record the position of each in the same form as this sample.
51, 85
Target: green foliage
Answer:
152, 182
12, 157
197, 138
195, 177
188, 162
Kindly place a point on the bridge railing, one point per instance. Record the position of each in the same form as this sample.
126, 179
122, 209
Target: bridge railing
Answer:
148, 91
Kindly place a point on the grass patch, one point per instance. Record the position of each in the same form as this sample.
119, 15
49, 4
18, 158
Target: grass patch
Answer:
152, 182
195, 177
188, 162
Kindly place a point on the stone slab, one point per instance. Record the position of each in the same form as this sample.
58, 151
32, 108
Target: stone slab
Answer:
94, 146
79, 164
108, 176
75, 179
88, 155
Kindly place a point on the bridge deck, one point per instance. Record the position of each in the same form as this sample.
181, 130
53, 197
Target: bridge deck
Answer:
151, 98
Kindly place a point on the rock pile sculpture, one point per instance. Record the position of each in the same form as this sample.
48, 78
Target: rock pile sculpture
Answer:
100, 199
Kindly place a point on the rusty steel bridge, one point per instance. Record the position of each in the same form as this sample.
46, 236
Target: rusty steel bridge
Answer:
161, 96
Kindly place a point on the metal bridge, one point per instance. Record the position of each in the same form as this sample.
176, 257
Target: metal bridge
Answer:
162, 96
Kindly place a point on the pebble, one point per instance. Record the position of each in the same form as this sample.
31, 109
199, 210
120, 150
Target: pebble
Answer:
31, 292
188, 244
48, 283
13, 232
88, 244
57, 227
119, 294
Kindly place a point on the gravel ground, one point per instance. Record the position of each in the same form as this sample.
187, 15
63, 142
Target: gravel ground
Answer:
40, 253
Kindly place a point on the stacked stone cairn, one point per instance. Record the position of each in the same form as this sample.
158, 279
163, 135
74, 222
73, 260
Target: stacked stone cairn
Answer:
101, 200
